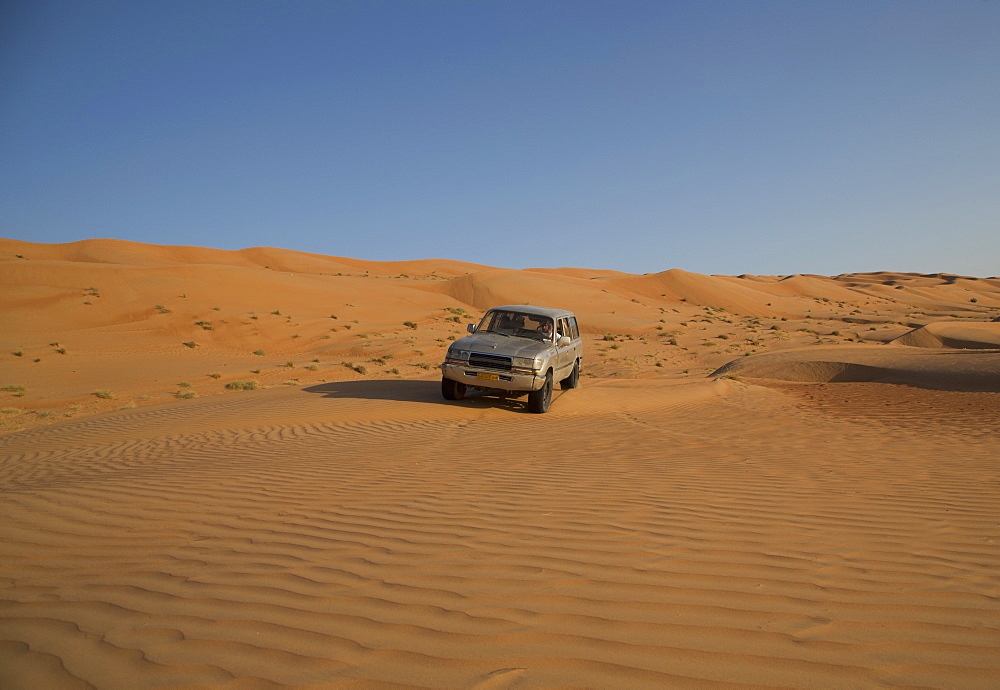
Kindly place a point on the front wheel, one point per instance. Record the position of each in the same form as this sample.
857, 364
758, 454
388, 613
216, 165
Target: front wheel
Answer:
452, 390
538, 401
573, 380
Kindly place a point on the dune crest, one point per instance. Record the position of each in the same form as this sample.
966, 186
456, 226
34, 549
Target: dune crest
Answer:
236, 468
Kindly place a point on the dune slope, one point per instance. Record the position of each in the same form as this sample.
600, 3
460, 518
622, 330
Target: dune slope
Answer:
641, 533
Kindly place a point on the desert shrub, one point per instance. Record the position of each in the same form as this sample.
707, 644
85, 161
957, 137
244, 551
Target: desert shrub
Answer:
288, 364
185, 395
215, 375
61, 350
104, 395
410, 324
242, 385
608, 336
312, 367
183, 384
395, 371
192, 344
162, 309
205, 325
16, 390
259, 353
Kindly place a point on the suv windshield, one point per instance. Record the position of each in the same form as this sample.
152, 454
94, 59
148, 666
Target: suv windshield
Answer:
517, 324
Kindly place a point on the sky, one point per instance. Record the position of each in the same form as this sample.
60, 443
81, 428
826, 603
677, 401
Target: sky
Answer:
720, 137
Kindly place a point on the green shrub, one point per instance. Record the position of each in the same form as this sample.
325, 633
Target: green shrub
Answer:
259, 353
186, 395
242, 385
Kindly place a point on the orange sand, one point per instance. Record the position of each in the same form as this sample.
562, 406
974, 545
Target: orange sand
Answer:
822, 511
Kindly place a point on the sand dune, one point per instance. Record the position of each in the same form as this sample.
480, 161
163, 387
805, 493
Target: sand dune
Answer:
820, 512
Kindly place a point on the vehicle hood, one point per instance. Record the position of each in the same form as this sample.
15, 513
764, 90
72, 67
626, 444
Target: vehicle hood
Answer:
496, 344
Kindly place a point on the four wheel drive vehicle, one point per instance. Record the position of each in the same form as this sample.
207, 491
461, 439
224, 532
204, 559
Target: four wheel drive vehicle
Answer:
516, 349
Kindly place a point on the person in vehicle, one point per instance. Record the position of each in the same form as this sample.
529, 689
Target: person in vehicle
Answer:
545, 329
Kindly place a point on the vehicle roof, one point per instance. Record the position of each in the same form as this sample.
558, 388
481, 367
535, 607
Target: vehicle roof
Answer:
540, 311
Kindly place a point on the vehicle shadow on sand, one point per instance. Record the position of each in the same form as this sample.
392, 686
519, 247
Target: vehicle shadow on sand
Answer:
417, 391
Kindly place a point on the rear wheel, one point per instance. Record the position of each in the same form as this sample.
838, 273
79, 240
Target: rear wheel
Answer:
573, 380
538, 401
452, 390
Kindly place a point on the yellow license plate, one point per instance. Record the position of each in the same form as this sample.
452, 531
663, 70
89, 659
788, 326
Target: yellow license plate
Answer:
488, 377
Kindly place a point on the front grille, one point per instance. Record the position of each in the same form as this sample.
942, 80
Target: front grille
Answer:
485, 361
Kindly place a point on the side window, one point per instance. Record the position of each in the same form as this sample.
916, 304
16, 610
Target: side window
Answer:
574, 330
562, 328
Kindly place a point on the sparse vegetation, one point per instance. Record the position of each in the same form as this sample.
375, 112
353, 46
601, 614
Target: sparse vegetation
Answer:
185, 395
192, 344
250, 385
103, 394
215, 375
259, 353
18, 391
410, 324
162, 309
18, 353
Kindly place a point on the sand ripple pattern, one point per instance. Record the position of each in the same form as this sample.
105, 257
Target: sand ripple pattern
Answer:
638, 535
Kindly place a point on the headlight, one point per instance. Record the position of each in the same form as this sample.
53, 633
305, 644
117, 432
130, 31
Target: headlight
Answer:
523, 362
458, 355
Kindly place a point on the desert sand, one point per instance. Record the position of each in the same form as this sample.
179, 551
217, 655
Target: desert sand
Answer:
772, 481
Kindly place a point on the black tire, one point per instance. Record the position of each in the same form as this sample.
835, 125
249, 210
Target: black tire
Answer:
538, 401
573, 380
452, 390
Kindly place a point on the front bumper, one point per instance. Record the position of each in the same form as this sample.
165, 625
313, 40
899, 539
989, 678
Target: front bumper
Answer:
506, 380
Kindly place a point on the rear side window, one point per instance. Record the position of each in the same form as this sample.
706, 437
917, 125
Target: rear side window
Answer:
574, 330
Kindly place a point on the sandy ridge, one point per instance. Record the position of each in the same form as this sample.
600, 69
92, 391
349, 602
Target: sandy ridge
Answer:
697, 555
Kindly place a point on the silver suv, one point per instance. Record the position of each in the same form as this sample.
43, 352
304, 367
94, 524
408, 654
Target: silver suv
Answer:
518, 349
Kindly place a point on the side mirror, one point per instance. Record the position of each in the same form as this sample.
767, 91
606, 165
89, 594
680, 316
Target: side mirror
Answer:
470, 327
564, 341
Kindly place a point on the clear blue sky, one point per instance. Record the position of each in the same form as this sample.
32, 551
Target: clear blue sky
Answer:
718, 137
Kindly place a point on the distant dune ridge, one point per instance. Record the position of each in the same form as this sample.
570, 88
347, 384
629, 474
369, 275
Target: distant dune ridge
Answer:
235, 469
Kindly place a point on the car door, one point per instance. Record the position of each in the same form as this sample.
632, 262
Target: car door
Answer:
566, 353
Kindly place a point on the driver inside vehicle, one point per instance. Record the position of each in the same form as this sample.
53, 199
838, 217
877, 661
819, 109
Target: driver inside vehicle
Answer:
545, 330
